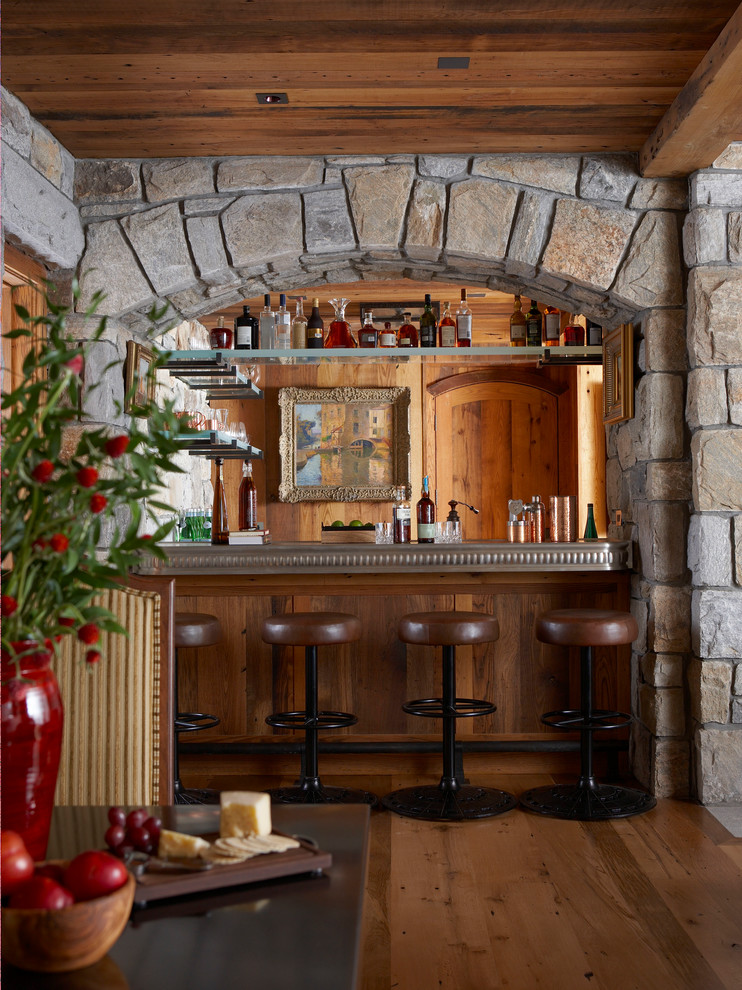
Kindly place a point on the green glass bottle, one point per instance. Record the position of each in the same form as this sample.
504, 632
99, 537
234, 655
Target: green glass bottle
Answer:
591, 533
428, 325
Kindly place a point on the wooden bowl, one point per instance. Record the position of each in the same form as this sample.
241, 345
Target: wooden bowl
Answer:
69, 938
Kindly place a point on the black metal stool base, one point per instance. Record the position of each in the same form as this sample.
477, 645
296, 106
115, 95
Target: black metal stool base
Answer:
584, 803
435, 803
319, 794
194, 795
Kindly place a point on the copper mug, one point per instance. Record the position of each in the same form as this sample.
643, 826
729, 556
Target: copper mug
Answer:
563, 518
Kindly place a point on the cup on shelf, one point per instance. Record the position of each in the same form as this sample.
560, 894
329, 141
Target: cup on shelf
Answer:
218, 420
194, 525
448, 532
384, 532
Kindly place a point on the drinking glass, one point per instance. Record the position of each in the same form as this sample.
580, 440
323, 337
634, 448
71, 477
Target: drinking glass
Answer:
441, 532
384, 532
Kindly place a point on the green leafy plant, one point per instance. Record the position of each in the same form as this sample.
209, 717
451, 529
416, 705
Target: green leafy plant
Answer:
62, 477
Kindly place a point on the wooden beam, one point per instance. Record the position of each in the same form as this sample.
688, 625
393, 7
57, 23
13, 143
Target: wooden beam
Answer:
706, 115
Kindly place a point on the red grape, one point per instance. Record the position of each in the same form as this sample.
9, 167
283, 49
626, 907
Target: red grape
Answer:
139, 837
153, 826
136, 818
114, 836
116, 816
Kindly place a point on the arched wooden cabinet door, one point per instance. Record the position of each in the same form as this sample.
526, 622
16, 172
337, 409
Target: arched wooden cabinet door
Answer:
498, 435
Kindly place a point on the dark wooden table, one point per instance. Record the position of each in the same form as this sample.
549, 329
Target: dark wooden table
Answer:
286, 934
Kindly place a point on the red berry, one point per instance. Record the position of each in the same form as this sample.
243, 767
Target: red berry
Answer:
92, 656
98, 503
136, 818
59, 542
115, 835
76, 364
116, 816
39, 544
66, 620
87, 477
9, 605
88, 634
116, 446
43, 471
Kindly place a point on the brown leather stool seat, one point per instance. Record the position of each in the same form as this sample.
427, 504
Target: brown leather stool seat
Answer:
310, 630
453, 799
586, 800
193, 630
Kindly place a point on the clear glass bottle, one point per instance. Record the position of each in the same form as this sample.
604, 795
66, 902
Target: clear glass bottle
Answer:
428, 325
219, 523
339, 334
402, 517
447, 328
368, 335
243, 331
463, 322
533, 326
315, 327
248, 498
299, 326
518, 325
591, 532
267, 327
283, 325
408, 335
425, 515
552, 323
220, 337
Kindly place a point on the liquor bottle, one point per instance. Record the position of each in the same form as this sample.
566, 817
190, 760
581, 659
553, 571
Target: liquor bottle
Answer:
299, 326
463, 323
428, 325
368, 335
339, 334
219, 524
387, 337
552, 321
283, 325
533, 326
401, 514
594, 336
591, 532
408, 336
574, 333
425, 516
267, 325
243, 331
315, 327
447, 328
220, 337
248, 499
518, 326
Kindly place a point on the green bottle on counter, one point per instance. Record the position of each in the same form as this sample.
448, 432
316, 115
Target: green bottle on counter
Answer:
591, 533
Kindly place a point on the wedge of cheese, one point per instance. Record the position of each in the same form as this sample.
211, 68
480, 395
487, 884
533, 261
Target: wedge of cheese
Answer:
245, 813
178, 844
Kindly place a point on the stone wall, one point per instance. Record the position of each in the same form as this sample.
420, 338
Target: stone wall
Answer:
713, 253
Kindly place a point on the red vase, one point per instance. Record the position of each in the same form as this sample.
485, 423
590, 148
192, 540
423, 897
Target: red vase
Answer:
32, 718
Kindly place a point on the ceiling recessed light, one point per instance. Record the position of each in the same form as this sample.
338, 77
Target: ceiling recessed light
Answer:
454, 62
272, 98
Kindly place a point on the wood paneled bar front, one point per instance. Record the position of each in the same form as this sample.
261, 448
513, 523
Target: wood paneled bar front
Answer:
244, 680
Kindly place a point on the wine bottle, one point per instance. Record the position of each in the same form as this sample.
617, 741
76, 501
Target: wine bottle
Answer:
428, 325
220, 336
283, 325
533, 326
463, 323
219, 524
299, 327
401, 515
315, 327
387, 337
267, 325
248, 499
591, 532
243, 331
518, 326
408, 336
368, 334
594, 336
447, 328
425, 516
552, 321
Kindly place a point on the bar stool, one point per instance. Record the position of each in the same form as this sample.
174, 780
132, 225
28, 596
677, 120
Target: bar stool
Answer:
450, 800
192, 630
586, 800
310, 630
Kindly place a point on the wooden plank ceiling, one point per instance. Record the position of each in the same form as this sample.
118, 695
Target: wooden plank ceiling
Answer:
138, 79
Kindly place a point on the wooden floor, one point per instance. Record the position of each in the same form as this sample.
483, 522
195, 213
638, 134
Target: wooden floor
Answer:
521, 901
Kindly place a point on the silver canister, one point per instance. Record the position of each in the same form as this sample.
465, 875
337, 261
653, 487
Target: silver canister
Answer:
563, 518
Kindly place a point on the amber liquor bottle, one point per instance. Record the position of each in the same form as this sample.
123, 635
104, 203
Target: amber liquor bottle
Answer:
402, 517
518, 326
463, 322
408, 336
248, 499
368, 335
428, 325
219, 523
552, 324
387, 336
315, 327
339, 333
425, 516
447, 328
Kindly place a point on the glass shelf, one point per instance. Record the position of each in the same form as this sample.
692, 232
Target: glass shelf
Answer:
185, 360
212, 372
212, 443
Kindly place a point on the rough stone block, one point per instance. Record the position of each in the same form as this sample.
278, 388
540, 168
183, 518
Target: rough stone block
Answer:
37, 215
704, 237
717, 480
46, 154
610, 177
716, 189
717, 623
639, 609
670, 778
737, 682
665, 345
158, 237
207, 247
110, 266
706, 403
263, 228
175, 178
731, 157
662, 527
103, 390
734, 237
625, 446
734, 395
718, 762
657, 427
710, 690
737, 550
206, 205
269, 173
669, 619
532, 225
662, 710
660, 194
480, 216
651, 274
662, 669
425, 221
557, 174
442, 166
668, 480
16, 120
587, 242
327, 221
114, 179
710, 550
378, 199
714, 305
736, 711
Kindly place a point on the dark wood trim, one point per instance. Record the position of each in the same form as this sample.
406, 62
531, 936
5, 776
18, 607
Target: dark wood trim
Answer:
493, 375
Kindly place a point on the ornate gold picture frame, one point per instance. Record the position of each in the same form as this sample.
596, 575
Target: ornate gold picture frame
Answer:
139, 381
343, 444
618, 374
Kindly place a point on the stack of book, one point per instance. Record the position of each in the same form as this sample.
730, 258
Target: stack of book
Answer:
249, 537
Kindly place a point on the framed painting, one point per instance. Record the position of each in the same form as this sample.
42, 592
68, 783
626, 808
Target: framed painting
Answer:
139, 382
618, 374
343, 444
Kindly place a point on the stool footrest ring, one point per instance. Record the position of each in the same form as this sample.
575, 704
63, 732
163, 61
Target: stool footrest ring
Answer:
599, 718
300, 720
461, 708
194, 721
